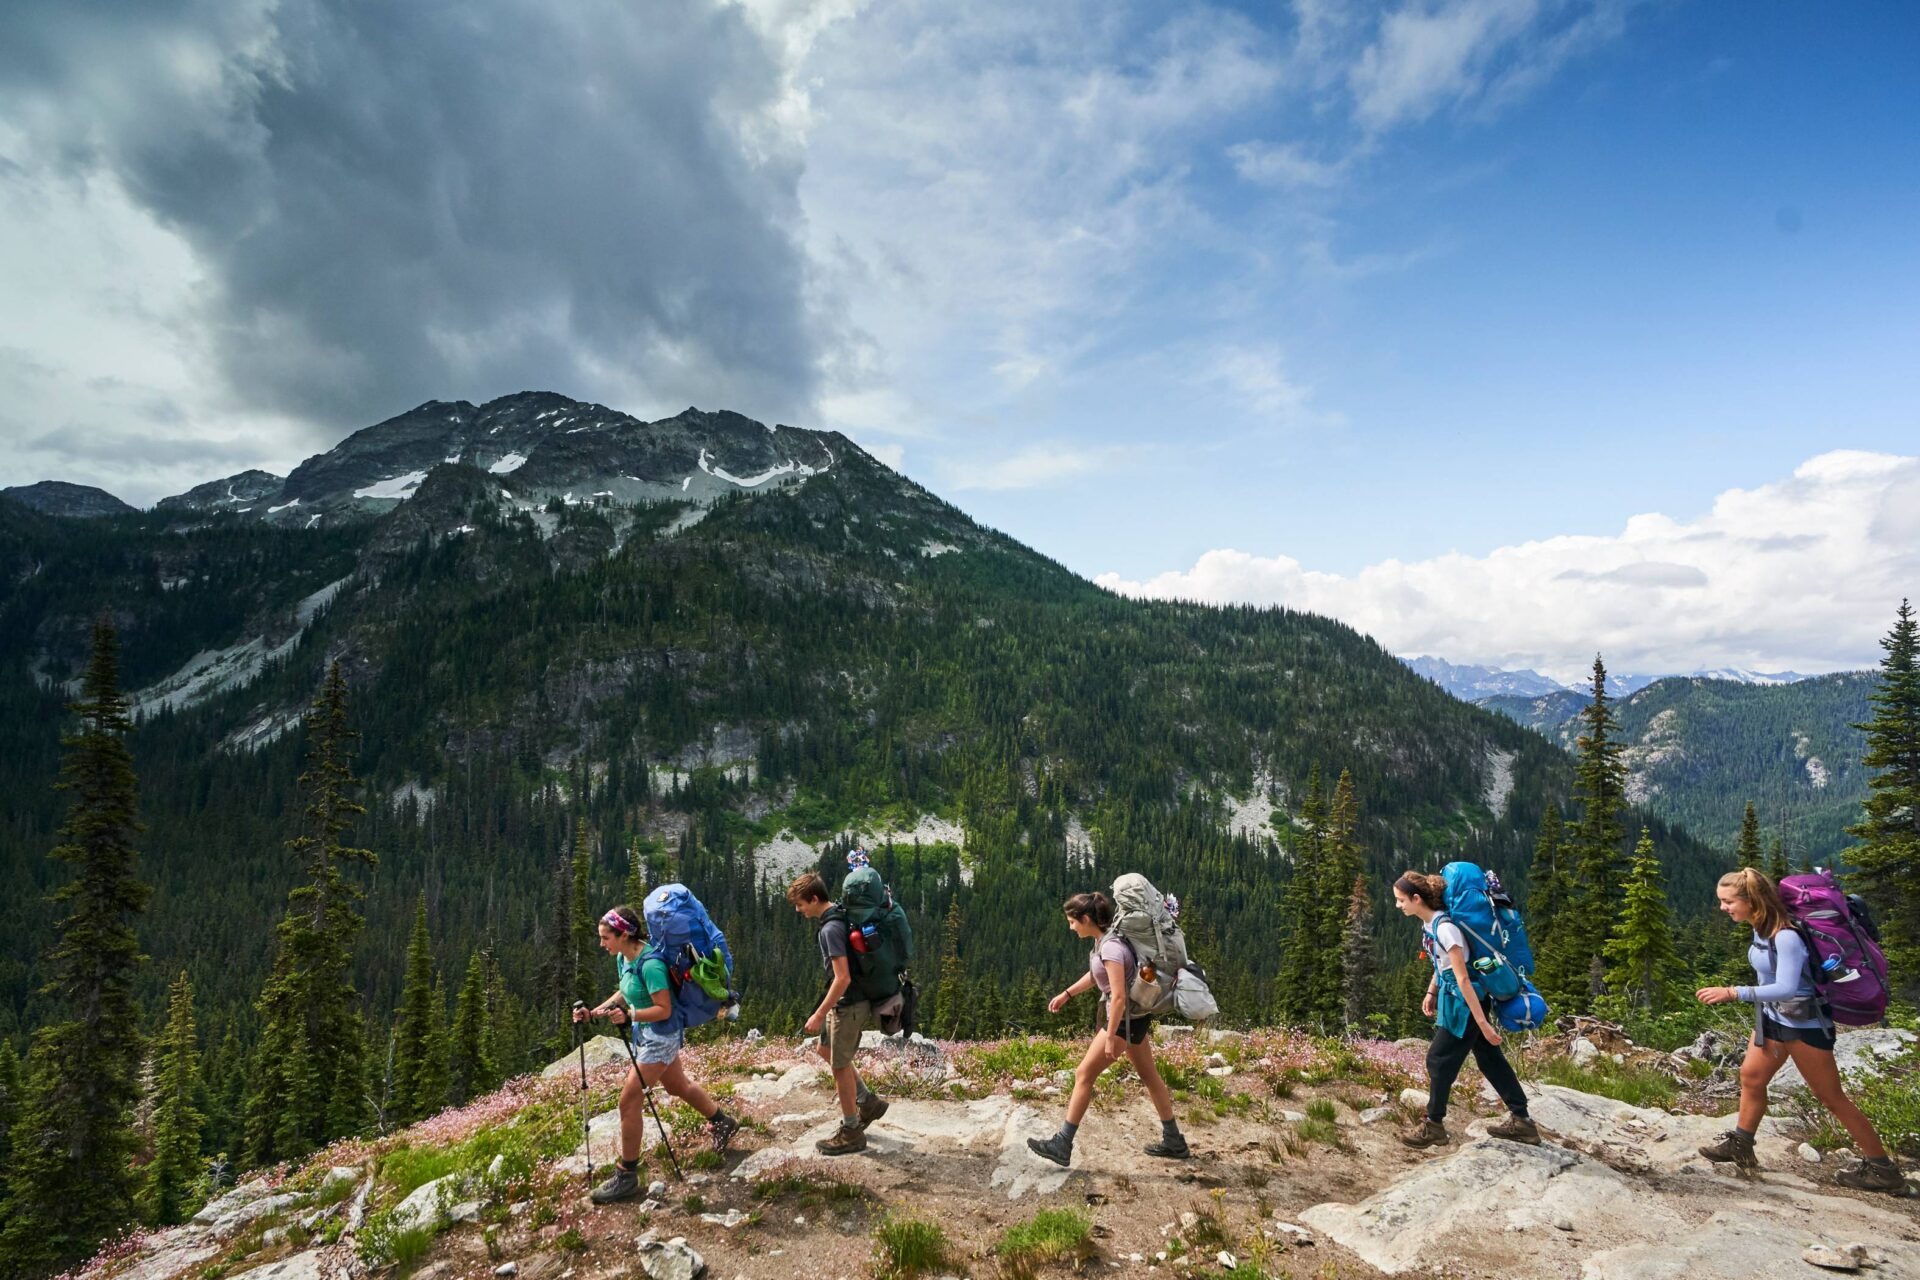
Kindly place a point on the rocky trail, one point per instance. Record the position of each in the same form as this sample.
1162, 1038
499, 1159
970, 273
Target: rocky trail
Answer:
1298, 1172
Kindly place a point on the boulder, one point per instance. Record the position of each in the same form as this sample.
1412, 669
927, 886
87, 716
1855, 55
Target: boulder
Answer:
601, 1051
1582, 1051
671, 1259
427, 1205
1373, 1115
1853, 1052
1415, 1098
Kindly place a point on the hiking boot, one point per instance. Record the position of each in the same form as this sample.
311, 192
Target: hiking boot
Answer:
1516, 1129
721, 1127
1055, 1148
872, 1109
1430, 1133
1170, 1149
1734, 1147
846, 1140
623, 1185
1864, 1175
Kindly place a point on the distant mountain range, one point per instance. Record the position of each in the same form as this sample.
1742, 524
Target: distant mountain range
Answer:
1473, 683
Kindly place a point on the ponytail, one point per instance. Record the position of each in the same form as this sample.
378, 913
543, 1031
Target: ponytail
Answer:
1095, 906
1762, 898
1431, 890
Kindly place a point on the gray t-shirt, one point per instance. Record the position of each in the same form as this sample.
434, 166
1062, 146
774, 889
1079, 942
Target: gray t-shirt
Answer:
832, 937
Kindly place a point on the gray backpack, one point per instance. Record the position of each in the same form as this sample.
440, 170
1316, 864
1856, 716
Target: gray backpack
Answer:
1141, 919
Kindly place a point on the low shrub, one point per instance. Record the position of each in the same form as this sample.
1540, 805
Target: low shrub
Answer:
907, 1246
1047, 1236
1638, 1086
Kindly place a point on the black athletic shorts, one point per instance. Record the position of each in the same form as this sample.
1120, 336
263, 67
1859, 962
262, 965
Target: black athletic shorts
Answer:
1814, 1036
1136, 1029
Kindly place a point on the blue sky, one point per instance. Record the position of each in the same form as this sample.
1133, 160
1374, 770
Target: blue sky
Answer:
1504, 329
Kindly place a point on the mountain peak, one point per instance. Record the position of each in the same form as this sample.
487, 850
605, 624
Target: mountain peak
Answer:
74, 501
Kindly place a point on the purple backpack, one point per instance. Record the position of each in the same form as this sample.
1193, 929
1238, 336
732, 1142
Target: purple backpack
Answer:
1843, 947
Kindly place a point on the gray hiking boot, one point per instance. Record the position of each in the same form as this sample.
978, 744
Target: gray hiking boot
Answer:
1865, 1175
1054, 1148
721, 1127
1429, 1133
623, 1185
1516, 1129
1734, 1147
1174, 1148
872, 1108
846, 1140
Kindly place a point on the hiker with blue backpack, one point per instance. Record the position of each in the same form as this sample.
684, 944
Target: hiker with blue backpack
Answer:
1463, 1020
670, 959
1816, 962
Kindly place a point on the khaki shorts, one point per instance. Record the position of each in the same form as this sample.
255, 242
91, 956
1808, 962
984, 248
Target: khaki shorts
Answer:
844, 1025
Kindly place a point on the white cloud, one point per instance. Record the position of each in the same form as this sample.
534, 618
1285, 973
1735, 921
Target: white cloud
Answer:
1802, 574
1257, 378
1283, 165
1033, 467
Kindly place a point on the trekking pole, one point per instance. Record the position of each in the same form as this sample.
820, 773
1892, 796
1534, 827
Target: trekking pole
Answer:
626, 1038
586, 1134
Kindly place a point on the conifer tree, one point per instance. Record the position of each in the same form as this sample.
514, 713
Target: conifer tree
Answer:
586, 944
70, 1184
1594, 854
470, 1053
177, 1120
1886, 862
1778, 868
1356, 954
1746, 849
313, 1032
1546, 882
413, 1025
1645, 963
1341, 860
635, 889
430, 1086
950, 998
1300, 957
10, 1084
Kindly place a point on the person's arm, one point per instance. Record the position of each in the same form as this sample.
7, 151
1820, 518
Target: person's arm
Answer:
1789, 968
1082, 984
842, 979
601, 1010
1457, 959
1117, 1000
659, 1011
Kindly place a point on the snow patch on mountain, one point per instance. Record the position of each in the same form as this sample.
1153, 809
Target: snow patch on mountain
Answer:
1252, 817
398, 487
509, 464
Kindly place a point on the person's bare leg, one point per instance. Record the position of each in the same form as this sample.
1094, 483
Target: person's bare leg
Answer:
1085, 1075
1757, 1070
1822, 1075
633, 1115
1141, 1056
673, 1077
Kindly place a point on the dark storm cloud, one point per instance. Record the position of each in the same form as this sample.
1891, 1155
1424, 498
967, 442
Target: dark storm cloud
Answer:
398, 202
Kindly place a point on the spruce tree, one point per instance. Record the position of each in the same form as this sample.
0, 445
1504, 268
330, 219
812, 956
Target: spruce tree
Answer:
1886, 862
313, 1031
1644, 962
470, 1051
70, 1181
1356, 955
949, 997
10, 1085
1546, 883
177, 1122
636, 884
413, 1025
430, 1086
1778, 868
586, 934
1300, 956
1341, 859
1600, 780
1746, 850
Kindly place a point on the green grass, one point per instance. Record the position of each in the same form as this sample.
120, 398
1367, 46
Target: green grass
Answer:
808, 1190
1047, 1236
1321, 1109
380, 1243
1021, 1059
1635, 1085
905, 1247
1313, 1129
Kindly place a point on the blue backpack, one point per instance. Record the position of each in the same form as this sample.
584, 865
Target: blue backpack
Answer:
682, 936
1498, 952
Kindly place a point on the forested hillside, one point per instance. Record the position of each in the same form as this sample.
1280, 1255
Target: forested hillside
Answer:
690, 681
1700, 750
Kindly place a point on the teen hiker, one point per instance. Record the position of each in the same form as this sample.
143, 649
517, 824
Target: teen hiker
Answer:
1788, 1022
645, 998
1111, 966
843, 1014
1462, 1023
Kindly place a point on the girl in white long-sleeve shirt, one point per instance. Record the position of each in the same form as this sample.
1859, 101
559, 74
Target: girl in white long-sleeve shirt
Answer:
1788, 1022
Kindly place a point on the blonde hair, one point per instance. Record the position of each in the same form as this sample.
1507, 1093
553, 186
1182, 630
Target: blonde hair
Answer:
1431, 890
1758, 892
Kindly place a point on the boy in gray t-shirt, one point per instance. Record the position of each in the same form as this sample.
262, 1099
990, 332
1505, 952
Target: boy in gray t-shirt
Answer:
839, 1021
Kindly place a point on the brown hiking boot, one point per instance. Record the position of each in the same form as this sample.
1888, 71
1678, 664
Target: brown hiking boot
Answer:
1733, 1148
846, 1140
1430, 1133
1865, 1175
872, 1109
1516, 1129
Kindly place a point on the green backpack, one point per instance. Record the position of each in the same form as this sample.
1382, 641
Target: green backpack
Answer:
879, 941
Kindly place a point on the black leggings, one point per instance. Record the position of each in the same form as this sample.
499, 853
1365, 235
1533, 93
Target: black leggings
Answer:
1448, 1053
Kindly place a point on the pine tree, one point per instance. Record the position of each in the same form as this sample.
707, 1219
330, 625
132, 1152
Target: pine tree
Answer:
949, 998
636, 885
10, 1086
177, 1121
430, 1086
1778, 868
413, 1025
1356, 955
1546, 882
470, 1053
586, 936
313, 1032
1341, 860
1594, 853
1886, 862
1300, 956
70, 1181
1645, 963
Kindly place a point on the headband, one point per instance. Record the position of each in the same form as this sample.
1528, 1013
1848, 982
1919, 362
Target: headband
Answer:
620, 924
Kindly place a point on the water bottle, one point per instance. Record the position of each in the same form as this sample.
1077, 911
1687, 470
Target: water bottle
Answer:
1833, 970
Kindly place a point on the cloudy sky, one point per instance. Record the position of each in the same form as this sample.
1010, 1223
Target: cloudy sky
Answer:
1507, 330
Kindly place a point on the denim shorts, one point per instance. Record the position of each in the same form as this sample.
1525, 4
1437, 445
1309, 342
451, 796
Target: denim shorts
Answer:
657, 1048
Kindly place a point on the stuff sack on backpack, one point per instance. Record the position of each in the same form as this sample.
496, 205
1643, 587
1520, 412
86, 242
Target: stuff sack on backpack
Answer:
684, 937
1143, 920
879, 939
1192, 997
1526, 1011
1849, 969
